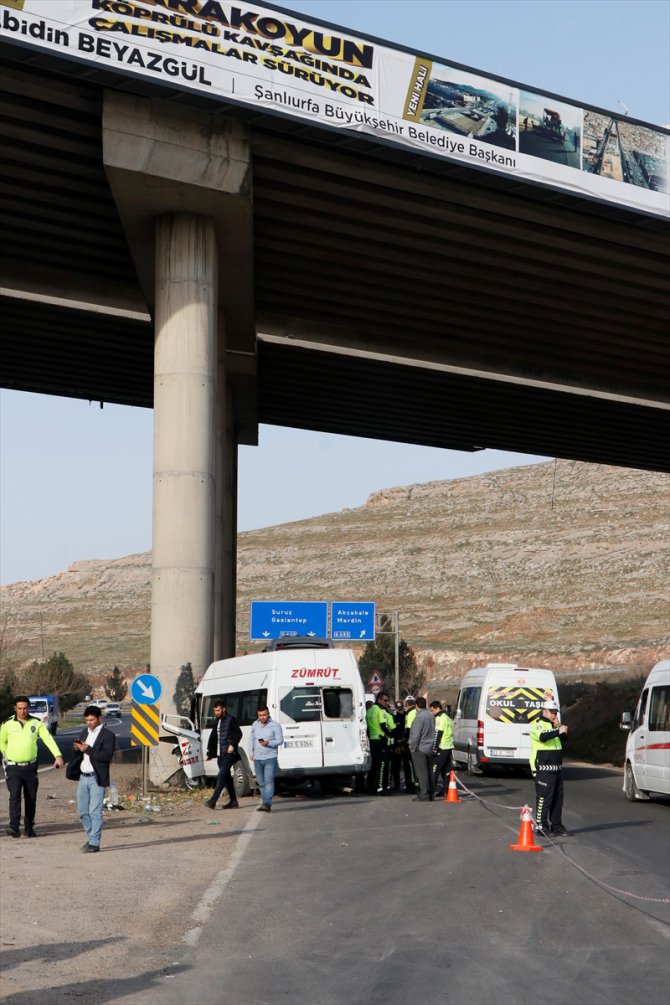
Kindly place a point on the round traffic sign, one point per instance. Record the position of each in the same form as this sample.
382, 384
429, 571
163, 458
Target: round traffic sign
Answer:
146, 689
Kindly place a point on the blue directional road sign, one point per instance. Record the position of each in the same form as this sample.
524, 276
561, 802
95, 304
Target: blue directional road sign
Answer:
352, 619
276, 619
146, 689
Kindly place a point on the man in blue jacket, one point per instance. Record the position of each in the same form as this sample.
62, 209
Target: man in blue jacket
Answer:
90, 765
265, 739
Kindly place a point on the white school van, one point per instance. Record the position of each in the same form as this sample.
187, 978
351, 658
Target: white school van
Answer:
316, 695
647, 763
495, 707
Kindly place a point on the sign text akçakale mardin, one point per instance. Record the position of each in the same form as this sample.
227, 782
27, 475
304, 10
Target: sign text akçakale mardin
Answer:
238, 19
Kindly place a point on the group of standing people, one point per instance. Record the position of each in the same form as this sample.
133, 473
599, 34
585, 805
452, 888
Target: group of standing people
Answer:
89, 767
411, 737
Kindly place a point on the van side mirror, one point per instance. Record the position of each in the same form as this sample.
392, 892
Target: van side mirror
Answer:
626, 721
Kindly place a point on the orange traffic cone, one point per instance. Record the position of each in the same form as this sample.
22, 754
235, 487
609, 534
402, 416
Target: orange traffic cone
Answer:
452, 795
526, 833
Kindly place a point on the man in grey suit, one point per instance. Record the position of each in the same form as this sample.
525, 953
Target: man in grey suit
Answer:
421, 742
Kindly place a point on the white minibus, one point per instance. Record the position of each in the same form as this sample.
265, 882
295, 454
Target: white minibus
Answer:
317, 696
647, 763
495, 707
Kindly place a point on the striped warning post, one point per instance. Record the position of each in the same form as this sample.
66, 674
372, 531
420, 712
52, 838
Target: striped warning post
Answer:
144, 724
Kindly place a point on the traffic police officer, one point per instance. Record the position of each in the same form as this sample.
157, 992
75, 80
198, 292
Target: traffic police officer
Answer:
546, 763
380, 732
444, 744
18, 746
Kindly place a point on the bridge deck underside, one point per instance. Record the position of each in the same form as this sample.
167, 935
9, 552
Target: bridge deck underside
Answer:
396, 298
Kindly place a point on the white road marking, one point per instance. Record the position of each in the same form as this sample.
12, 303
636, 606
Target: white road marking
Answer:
208, 902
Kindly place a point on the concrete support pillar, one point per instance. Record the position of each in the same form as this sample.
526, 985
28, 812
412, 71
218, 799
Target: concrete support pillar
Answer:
184, 456
225, 590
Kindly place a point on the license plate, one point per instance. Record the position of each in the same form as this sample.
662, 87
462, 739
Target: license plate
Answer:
299, 743
502, 752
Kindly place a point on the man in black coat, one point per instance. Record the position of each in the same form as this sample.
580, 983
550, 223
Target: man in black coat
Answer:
222, 744
94, 750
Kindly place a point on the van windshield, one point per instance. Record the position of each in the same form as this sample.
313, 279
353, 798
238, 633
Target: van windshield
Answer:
38, 706
517, 704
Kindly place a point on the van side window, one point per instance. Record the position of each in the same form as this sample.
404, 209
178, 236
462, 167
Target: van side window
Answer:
659, 709
470, 702
338, 703
300, 704
641, 708
242, 705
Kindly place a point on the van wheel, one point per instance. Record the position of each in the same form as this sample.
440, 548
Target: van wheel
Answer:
630, 785
241, 780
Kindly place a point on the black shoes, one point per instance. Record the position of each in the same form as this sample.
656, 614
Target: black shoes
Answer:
231, 806
12, 833
560, 832
31, 833
91, 848
422, 799
264, 808
211, 803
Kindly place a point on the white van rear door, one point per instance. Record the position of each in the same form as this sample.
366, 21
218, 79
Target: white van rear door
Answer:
300, 720
341, 731
510, 710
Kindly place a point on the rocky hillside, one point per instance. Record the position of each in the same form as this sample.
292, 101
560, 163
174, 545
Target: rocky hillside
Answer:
563, 565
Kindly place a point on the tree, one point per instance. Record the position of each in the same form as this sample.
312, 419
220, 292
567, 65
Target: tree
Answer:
57, 676
184, 690
115, 685
379, 656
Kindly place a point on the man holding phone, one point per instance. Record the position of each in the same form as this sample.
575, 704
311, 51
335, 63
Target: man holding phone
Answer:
265, 739
93, 752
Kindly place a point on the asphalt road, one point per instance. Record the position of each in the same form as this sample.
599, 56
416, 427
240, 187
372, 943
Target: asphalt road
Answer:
362, 901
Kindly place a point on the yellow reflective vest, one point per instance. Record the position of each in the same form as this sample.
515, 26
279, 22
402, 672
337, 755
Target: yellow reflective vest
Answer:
549, 747
18, 740
375, 716
445, 726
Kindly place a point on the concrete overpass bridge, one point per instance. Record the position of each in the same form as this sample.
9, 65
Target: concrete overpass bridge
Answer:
229, 266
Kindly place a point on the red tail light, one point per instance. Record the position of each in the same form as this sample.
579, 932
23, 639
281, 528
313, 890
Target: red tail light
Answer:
480, 733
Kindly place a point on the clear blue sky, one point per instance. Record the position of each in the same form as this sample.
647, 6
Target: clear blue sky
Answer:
76, 480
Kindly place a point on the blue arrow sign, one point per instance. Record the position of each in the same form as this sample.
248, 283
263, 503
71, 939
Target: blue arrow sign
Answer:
276, 619
352, 619
146, 689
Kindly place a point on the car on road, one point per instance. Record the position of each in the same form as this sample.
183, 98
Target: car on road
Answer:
112, 708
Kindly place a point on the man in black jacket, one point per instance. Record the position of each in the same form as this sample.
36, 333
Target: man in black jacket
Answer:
90, 765
222, 744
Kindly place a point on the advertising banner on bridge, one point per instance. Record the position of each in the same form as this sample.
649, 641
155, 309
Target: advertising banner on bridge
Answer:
276, 61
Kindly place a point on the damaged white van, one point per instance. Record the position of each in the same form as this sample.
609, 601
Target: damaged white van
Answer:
317, 696
647, 763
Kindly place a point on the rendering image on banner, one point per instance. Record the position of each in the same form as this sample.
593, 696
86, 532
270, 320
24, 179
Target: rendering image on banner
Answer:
625, 151
549, 129
471, 106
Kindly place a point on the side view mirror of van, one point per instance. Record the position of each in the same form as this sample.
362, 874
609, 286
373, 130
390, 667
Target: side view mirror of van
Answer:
626, 721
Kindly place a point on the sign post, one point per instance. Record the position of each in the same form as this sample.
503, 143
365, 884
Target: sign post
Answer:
145, 718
